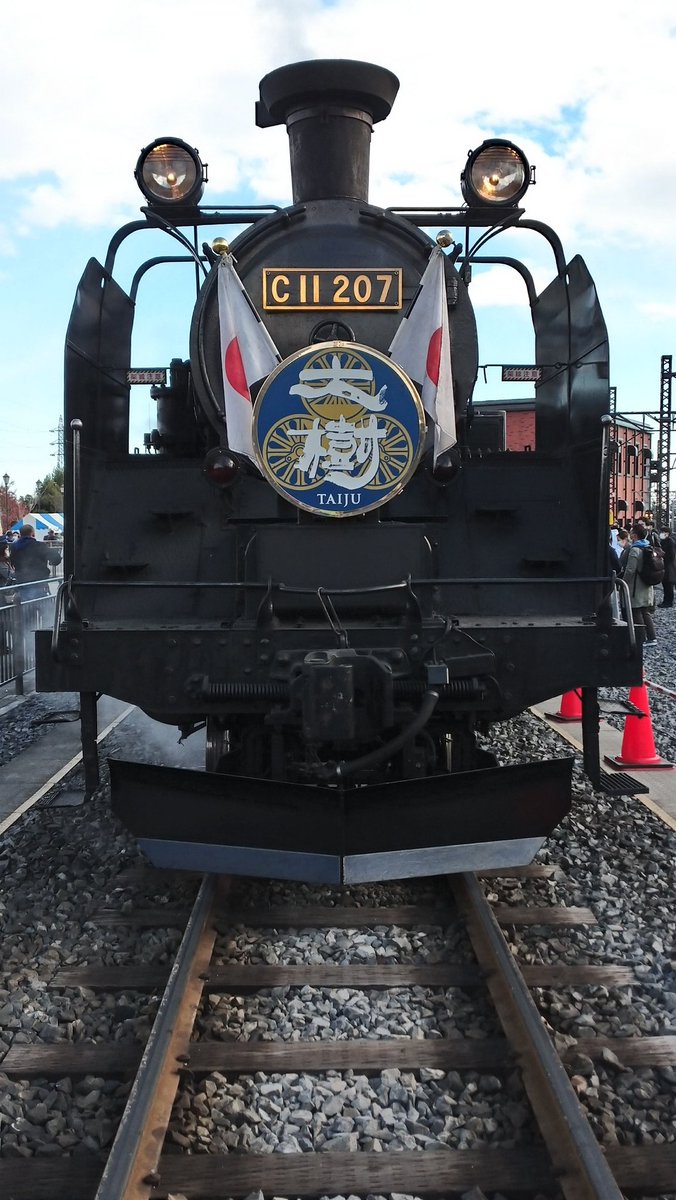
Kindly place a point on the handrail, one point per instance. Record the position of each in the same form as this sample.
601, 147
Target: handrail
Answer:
263, 585
58, 617
25, 612
628, 613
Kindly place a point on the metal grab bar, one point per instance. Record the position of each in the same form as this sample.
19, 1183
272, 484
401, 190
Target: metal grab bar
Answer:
628, 613
262, 584
58, 618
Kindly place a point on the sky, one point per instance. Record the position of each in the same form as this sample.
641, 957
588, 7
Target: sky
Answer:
587, 90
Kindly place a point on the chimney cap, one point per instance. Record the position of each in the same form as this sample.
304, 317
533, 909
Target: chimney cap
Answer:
324, 80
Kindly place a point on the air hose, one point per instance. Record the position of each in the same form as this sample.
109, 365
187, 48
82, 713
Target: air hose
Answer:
343, 770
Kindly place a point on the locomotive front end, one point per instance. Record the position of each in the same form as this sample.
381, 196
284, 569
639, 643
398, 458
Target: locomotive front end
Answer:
318, 569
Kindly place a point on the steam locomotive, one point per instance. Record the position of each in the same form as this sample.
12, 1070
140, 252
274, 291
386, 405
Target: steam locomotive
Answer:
311, 558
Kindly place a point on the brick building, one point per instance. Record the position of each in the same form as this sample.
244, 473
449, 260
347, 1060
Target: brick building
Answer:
510, 425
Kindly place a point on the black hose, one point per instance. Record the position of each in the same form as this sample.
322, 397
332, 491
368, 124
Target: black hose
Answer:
343, 770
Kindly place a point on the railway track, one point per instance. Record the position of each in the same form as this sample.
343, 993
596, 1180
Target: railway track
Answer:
568, 1161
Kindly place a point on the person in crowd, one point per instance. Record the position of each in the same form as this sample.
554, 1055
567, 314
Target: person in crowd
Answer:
642, 595
668, 548
6, 570
623, 543
651, 534
6, 596
614, 565
31, 561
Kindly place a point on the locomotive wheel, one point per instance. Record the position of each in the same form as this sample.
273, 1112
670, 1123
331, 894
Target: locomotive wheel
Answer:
217, 743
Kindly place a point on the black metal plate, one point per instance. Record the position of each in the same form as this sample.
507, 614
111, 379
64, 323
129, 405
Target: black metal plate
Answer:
515, 804
620, 785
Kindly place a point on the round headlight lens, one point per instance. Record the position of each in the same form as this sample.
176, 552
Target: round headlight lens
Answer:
496, 173
169, 172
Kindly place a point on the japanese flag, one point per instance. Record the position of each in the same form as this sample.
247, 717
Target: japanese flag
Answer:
248, 354
422, 348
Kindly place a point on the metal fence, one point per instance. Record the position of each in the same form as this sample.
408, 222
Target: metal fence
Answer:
24, 607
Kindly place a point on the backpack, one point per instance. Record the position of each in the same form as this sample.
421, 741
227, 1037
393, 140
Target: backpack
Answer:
651, 570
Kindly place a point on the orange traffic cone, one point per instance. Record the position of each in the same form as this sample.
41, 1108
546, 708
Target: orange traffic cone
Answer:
638, 744
571, 707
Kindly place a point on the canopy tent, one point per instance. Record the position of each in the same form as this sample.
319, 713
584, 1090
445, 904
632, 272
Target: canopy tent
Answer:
42, 523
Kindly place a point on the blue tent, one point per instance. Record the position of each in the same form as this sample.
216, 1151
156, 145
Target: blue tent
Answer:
42, 523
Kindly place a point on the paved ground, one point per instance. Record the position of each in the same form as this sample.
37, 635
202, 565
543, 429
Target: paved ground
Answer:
56, 751
661, 797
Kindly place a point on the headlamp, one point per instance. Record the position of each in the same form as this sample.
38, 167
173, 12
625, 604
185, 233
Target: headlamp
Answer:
497, 174
169, 171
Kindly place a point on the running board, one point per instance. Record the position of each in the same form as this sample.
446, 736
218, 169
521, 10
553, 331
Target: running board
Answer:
445, 824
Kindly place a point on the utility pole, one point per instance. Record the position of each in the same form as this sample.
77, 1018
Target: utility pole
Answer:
5, 480
59, 444
662, 465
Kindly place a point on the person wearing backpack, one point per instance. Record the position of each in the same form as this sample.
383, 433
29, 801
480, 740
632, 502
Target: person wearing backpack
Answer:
668, 547
641, 593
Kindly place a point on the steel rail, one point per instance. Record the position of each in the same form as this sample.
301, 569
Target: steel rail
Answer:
582, 1168
131, 1170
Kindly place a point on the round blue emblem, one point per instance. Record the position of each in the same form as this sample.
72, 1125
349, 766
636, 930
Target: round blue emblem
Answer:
338, 429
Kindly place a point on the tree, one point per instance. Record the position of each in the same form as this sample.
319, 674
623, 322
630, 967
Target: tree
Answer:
49, 492
12, 507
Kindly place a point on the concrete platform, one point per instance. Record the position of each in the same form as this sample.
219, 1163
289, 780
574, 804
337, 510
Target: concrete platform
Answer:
661, 784
32, 773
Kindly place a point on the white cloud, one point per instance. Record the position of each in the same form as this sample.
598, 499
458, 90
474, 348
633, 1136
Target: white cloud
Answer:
502, 287
591, 101
659, 312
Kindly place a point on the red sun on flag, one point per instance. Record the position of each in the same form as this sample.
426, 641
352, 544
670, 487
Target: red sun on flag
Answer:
433, 363
234, 369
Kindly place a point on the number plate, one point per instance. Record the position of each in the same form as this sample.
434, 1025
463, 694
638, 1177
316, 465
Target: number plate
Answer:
521, 374
332, 289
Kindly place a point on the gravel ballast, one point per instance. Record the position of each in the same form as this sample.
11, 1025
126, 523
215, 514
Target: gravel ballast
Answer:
61, 865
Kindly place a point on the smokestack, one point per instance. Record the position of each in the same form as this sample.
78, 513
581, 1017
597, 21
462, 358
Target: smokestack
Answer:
329, 107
